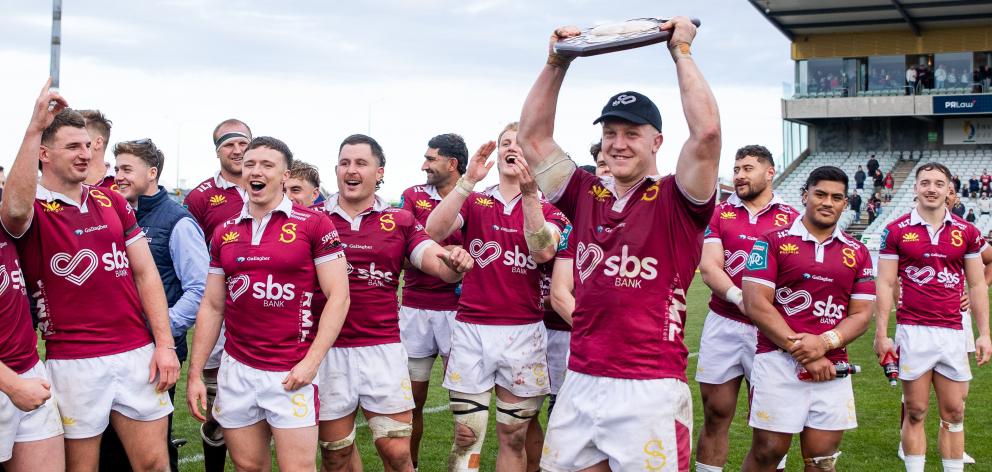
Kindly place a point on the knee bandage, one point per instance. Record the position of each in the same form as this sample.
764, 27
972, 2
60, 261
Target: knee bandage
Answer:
951, 427
518, 413
420, 368
471, 411
342, 443
822, 463
386, 427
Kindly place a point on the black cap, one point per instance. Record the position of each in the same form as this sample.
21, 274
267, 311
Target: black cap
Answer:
633, 107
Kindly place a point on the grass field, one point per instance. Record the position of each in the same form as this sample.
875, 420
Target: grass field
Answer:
871, 447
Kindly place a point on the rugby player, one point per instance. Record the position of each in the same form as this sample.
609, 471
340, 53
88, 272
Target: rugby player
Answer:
367, 366
98, 127
638, 237
498, 338
809, 289
31, 435
726, 349
303, 185
95, 285
211, 203
265, 265
931, 253
429, 304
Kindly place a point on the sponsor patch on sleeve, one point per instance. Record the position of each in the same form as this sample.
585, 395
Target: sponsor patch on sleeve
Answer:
563, 242
885, 236
758, 259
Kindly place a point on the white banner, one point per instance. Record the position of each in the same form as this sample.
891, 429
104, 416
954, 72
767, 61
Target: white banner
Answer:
968, 131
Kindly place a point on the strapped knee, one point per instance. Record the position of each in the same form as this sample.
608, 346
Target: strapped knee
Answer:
518, 413
342, 443
420, 368
386, 427
471, 411
951, 427
822, 463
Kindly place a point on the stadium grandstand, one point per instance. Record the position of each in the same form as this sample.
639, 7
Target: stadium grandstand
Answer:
903, 81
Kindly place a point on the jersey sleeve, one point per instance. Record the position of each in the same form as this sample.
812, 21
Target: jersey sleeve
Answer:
889, 246
864, 282
566, 247
762, 267
697, 215
407, 201
712, 232
554, 216
416, 237
976, 243
192, 204
325, 246
215, 245
132, 232
466, 210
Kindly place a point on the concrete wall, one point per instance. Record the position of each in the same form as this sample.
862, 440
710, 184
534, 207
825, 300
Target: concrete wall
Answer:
857, 107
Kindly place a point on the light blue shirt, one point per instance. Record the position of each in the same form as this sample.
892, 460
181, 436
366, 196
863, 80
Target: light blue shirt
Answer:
190, 260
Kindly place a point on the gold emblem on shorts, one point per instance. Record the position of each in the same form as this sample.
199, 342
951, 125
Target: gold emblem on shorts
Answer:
300, 408
407, 389
68, 421
763, 416
455, 377
656, 459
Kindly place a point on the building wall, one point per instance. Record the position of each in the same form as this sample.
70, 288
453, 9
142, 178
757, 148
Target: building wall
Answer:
883, 43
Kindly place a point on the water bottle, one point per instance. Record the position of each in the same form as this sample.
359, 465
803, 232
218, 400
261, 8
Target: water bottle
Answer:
890, 365
843, 370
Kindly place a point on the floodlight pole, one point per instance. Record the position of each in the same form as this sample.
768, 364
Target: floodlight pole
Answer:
56, 42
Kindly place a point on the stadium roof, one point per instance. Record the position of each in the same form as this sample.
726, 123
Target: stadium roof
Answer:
802, 17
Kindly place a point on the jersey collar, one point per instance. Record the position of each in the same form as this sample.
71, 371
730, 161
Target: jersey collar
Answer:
799, 229
431, 191
332, 207
609, 183
49, 196
285, 207
916, 219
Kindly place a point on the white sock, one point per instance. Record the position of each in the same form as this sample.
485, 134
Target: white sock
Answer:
953, 465
700, 467
781, 464
915, 463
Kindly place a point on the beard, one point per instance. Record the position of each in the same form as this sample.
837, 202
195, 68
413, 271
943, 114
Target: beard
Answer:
751, 191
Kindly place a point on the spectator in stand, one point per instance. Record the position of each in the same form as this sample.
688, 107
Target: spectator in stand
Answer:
984, 204
971, 216
872, 165
973, 185
965, 78
956, 183
940, 76
986, 180
986, 79
955, 204
879, 181
859, 179
855, 202
911, 79
871, 211
889, 183
952, 79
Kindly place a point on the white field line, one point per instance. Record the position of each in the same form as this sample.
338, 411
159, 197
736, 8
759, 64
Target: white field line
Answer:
360, 424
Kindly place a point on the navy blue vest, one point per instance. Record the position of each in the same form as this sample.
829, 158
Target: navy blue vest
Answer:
157, 215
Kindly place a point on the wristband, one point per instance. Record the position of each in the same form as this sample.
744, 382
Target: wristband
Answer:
559, 61
463, 187
679, 50
832, 338
734, 295
539, 240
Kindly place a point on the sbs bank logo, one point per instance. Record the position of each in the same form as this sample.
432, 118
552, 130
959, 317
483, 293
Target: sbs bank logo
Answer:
488, 252
628, 270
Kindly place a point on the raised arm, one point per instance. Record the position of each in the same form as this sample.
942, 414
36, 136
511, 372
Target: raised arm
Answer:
537, 120
696, 171
17, 207
445, 219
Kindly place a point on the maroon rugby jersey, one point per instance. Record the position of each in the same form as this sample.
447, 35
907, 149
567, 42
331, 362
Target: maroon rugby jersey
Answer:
213, 202
931, 267
74, 259
109, 182
375, 244
814, 283
736, 229
504, 287
420, 290
18, 343
634, 260
271, 278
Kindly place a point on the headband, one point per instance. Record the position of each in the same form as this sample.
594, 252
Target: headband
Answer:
229, 136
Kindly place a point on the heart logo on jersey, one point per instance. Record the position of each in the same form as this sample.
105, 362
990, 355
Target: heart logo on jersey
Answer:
350, 268
484, 253
734, 263
65, 266
920, 275
4, 279
586, 259
785, 296
237, 286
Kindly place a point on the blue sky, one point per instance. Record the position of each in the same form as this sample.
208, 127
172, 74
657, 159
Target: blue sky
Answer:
312, 73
